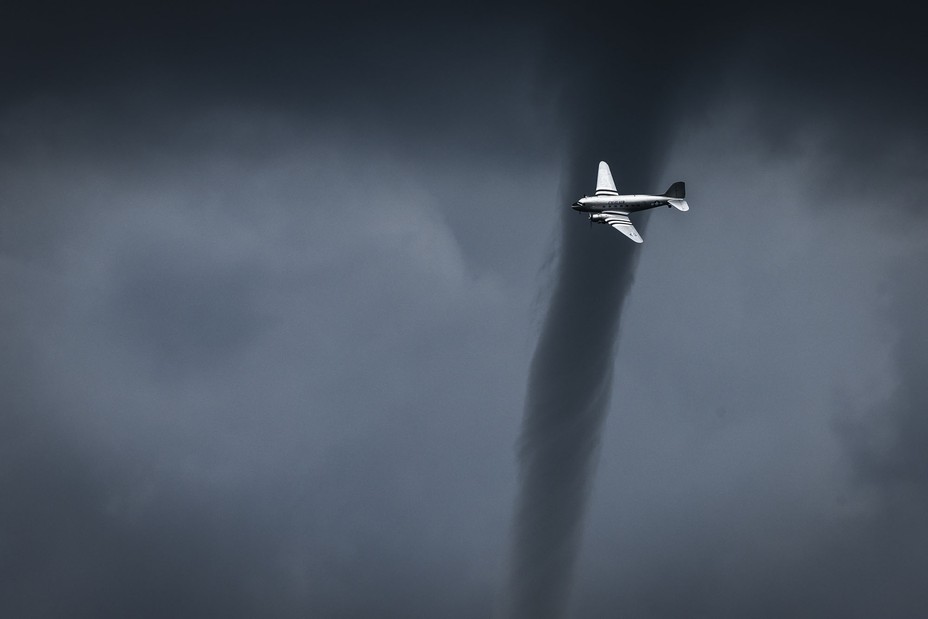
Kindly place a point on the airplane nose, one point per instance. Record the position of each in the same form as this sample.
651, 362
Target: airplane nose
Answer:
575, 206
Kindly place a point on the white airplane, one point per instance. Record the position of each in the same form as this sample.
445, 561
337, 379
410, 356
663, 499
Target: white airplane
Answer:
606, 206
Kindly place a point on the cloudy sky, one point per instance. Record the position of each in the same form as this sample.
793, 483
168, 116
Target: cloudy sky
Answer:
277, 290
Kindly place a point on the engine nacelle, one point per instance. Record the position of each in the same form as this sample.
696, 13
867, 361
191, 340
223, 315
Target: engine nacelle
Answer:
598, 218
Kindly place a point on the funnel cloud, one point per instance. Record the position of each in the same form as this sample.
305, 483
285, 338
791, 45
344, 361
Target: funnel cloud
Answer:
568, 397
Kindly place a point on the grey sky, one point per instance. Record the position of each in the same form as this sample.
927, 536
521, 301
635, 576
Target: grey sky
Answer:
268, 309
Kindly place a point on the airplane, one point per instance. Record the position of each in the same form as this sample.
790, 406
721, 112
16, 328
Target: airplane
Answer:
606, 206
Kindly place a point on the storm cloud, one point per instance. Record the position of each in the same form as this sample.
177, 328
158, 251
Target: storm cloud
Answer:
272, 285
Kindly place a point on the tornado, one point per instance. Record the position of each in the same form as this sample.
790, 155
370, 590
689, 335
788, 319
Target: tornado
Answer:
567, 399
622, 98
570, 378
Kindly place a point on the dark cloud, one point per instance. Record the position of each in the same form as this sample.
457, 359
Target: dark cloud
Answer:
887, 445
183, 309
198, 395
266, 292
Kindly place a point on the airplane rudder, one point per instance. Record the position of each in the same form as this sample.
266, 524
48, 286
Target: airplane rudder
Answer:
677, 190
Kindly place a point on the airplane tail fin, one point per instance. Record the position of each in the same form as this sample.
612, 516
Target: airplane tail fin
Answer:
677, 190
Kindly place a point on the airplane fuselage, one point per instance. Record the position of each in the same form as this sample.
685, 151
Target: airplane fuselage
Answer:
607, 206
624, 204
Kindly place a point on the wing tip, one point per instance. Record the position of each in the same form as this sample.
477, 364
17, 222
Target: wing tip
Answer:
627, 228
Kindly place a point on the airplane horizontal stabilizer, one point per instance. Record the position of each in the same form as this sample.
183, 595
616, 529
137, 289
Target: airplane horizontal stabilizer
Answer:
680, 205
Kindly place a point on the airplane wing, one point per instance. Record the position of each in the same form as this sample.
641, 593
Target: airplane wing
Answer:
605, 186
623, 224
